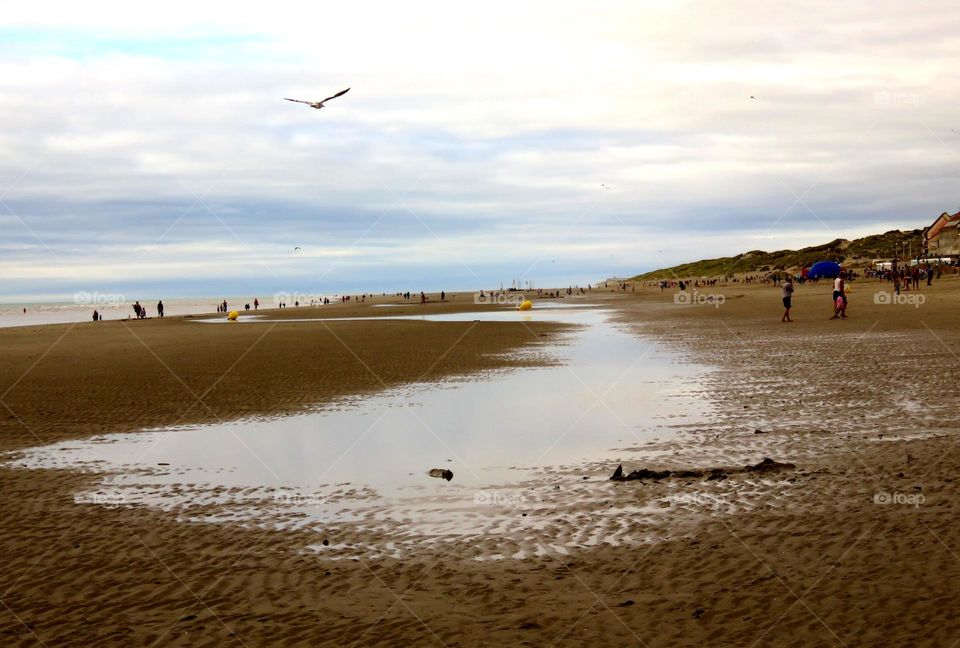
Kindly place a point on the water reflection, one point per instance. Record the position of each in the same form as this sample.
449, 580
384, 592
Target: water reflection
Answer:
611, 389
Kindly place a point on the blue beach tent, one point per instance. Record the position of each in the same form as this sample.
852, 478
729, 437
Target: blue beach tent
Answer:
824, 269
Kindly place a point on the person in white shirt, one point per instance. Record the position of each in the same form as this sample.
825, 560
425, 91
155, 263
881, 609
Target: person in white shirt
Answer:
839, 297
787, 292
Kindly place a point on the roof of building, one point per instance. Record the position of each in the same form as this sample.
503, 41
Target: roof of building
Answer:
943, 221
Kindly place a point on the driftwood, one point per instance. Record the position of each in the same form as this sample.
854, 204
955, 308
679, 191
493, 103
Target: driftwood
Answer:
711, 474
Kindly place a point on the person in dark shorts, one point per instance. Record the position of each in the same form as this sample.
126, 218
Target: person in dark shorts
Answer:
840, 296
787, 292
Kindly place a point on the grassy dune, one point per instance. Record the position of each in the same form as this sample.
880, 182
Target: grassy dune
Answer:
859, 250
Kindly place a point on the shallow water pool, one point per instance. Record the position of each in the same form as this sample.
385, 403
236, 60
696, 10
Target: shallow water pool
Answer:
611, 389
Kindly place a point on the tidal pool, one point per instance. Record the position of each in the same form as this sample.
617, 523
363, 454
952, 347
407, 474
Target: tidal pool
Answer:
495, 431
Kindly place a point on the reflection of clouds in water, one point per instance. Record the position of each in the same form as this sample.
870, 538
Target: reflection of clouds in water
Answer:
371, 458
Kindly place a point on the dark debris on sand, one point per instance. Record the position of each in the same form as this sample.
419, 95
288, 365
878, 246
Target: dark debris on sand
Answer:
711, 474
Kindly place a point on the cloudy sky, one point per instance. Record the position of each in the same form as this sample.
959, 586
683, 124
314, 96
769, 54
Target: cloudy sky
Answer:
148, 149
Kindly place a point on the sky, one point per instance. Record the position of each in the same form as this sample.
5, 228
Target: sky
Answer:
147, 150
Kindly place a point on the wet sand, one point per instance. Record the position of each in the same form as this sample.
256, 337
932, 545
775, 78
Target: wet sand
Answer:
70, 380
840, 550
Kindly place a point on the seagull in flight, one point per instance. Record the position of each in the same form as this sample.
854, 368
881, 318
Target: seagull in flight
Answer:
319, 104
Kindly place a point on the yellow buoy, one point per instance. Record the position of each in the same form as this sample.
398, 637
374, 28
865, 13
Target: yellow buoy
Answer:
526, 305
233, 316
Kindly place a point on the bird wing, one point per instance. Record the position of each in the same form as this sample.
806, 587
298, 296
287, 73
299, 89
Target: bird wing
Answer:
298, 100
342, 92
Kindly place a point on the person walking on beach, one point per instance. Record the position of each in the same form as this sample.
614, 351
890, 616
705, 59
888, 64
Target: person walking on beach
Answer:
839, 297
787, 293
96, 316
160, 308
256, 303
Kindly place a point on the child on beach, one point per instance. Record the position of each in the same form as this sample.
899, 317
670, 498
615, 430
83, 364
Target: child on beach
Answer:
838, 307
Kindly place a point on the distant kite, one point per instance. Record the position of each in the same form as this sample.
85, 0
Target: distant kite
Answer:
319, 104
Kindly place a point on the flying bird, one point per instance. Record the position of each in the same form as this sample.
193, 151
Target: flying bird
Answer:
319, 104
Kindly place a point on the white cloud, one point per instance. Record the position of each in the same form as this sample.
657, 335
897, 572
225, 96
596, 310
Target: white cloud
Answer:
501, 120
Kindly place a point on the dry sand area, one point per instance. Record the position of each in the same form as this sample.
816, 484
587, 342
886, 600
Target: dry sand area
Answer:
856, 545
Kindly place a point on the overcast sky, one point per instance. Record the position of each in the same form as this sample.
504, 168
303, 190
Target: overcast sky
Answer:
148, 148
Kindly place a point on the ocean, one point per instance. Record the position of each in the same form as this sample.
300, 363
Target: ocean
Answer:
114, 309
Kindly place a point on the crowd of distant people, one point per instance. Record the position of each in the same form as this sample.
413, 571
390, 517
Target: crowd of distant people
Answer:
904, 278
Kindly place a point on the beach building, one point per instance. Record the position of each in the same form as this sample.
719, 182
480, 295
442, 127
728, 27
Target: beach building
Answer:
942, 238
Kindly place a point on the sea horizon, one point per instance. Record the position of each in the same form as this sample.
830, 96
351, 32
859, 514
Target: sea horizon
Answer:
116, 306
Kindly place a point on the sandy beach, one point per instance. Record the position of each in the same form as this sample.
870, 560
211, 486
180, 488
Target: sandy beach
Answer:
479, 324
854, 544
